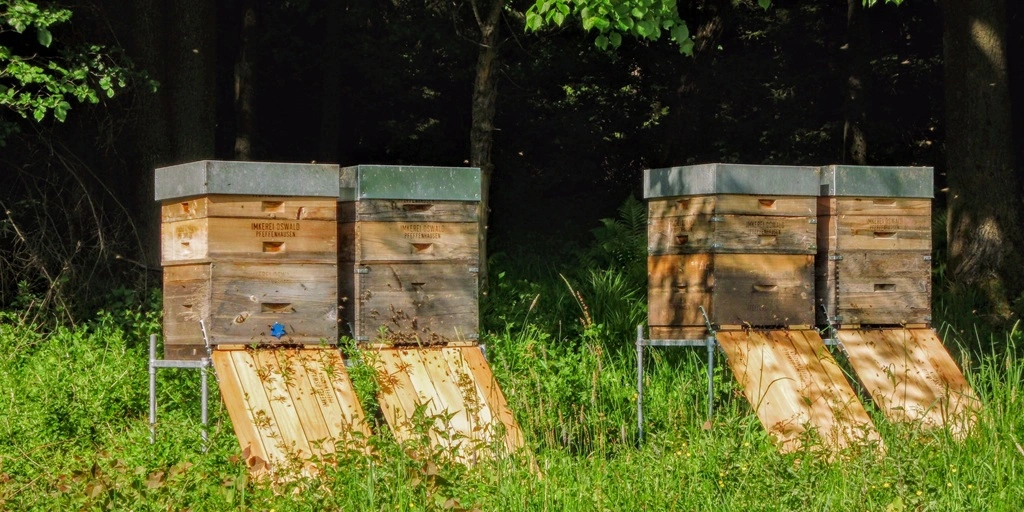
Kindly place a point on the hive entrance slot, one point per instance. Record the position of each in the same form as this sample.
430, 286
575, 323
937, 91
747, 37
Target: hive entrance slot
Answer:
417, 207
283, 308
273, 206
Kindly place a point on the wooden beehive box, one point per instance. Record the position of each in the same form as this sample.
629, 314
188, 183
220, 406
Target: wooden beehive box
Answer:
245, 246
874, 246
409, 257
737, 240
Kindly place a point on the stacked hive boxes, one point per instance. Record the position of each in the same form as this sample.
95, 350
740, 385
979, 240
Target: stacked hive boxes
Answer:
409, 253
249, 251
737, 240
874, 246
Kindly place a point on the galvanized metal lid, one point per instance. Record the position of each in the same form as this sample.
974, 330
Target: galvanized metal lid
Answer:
410, 183
246, 178
871, 181
710, 179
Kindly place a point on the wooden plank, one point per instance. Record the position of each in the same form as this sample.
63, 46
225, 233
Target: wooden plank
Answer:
794, 385
370, 210
259, 411
425, 303
415, 241
494, 397
272, 240
740, 289
338, 402
252, 207
426, 396
397, 397
875, 206
732, 234
289, 403
729, 204
875, 288
660, 332
874, 233
292, 436
304, 397
236, 401
449, 400
477, 409
911, 377
186, 294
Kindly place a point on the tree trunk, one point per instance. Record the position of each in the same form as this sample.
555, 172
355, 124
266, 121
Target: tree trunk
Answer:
481, 133
855, 145
245, 85
986, 242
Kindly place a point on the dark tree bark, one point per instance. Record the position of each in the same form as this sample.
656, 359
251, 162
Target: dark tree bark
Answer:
245, 84
855, 144
189, 88
986, 242
485, 94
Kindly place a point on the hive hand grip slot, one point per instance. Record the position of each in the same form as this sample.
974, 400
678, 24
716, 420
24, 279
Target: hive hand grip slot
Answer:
418, 247
418, 286
417, 207
766, 203
885, 287
273, 247
273, 206
186, 207
280, 308
766, 288
885, 235
884, 202
681, 239
767, 239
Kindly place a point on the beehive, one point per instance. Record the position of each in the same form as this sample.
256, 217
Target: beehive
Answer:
874, 246
246, 246
737, 240
409, 254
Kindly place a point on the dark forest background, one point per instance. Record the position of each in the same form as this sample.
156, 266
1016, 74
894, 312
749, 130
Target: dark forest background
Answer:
406, 82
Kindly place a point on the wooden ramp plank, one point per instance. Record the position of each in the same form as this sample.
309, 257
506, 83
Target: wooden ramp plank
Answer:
794, 385
912, 377
450, 381
285, 405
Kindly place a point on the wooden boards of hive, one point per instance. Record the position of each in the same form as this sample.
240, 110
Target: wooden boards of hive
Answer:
289, 406
797, 389
911, 377
452, 391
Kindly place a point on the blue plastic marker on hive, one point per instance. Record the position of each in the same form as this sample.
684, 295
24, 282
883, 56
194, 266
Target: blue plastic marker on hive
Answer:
277, 330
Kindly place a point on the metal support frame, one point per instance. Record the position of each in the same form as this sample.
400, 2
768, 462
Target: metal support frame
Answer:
710, 342
202, 365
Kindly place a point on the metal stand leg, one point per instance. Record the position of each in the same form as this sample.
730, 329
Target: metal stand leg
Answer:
711, 377
206, 398
152, 388
640, 382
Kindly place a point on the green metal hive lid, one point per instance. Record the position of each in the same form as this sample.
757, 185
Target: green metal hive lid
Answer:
409, 183
873, 181
246, 178
712, 179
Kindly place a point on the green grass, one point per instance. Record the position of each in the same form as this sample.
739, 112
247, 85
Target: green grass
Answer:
74, 433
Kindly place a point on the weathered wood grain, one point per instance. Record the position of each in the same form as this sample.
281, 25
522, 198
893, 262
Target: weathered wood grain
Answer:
285, 402
234, 238
912, 377
384, 210
842, 233
735, 289
875, 206
791, 381
239, 302
732, 234
874, 287
730, 204
413, 241
414, 303
250, 207
455, 389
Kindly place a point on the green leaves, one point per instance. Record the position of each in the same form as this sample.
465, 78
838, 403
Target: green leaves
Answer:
44, 36
612, 19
